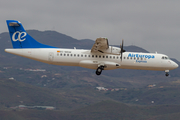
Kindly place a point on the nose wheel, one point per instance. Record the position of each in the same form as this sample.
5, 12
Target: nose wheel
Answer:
167, 73
99, 70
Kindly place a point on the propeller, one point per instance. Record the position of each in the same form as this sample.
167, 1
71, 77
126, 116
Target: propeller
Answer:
122, 50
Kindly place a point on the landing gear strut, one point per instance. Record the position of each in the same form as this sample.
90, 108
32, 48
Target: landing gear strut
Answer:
99, 70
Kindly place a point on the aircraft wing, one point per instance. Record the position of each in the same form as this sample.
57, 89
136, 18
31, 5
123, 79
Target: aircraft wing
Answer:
100, 45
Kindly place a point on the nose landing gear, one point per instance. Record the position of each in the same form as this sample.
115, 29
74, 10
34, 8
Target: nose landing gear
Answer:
167, 73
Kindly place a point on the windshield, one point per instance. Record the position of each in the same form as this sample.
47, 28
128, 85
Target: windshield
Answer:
165, 57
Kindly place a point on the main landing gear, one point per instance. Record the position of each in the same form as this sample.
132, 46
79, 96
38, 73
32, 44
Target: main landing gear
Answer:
167, 73
99, 70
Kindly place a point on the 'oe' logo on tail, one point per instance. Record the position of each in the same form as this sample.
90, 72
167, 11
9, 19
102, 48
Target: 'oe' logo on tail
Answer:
21, 36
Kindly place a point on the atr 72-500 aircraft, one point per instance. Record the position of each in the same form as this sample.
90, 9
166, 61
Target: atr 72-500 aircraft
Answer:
100, 57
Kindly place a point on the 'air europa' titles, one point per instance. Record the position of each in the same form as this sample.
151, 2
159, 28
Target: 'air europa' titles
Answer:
141, 56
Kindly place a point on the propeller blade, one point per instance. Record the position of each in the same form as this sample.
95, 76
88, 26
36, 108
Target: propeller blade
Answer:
121, 46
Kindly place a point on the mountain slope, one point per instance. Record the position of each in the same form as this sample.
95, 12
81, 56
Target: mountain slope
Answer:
14, 93
104, 110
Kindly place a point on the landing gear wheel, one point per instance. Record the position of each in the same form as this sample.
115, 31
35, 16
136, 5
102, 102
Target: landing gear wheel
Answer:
98, 73
99, 70
167, 74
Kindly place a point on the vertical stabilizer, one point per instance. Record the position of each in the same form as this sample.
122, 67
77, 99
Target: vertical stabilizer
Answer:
20, 38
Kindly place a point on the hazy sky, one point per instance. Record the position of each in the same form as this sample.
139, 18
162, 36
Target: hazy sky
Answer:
151, 24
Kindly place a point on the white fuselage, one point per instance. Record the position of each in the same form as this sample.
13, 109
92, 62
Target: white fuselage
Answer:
87, 59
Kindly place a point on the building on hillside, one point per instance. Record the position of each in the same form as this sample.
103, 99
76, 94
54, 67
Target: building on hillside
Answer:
37, 107
11, 78
101, 88
43, 76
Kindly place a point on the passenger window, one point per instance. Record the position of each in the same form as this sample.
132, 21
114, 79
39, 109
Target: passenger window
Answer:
134, 58
96, 56
163, 57
78, 55
64, 54
71, 55
114, 57
127, 57
61, 54
103, 56
124, 57
99, 56
141, 58
89, 56
117, 57
131, 58
106, 56
74, 55
85, 55
81, 55
92, 55
67, 54
110, 57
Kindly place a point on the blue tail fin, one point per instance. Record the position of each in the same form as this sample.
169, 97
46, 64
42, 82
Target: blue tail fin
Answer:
19, 37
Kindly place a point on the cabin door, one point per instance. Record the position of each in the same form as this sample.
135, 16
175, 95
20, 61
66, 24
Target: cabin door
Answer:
51, 56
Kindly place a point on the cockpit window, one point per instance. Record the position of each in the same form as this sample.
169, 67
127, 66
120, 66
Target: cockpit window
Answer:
165, 57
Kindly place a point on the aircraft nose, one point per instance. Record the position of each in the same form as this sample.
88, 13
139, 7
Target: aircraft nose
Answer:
176, 65
173, 65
